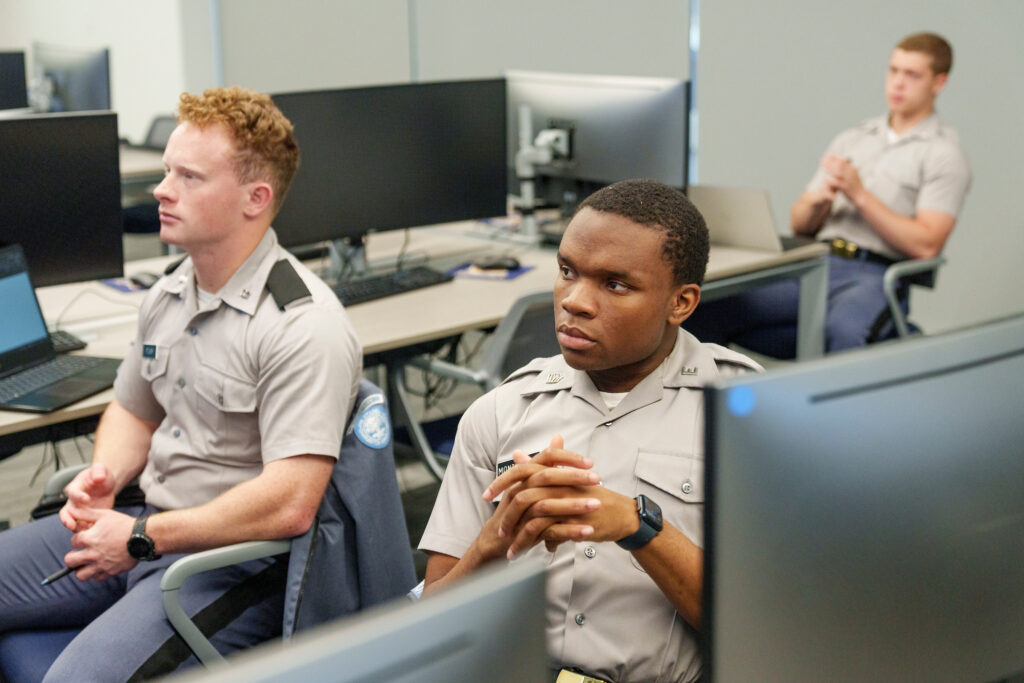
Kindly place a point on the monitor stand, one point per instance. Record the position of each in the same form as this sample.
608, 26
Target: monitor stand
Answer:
346, 260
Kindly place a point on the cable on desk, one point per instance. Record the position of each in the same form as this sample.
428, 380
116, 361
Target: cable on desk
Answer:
75, 298
402, 249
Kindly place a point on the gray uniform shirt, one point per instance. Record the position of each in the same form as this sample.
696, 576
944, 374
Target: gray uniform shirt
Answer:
924, 169
604, 614
237, 383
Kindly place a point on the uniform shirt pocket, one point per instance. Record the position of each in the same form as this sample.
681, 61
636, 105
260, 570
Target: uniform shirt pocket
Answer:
224, 405
897, 186
226, 393
676, 473
675, 481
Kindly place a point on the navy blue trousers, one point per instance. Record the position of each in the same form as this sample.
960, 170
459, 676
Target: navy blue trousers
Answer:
125, 635
764, 319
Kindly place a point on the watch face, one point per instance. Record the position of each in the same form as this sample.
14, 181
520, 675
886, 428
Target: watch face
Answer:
650, 510
139, 547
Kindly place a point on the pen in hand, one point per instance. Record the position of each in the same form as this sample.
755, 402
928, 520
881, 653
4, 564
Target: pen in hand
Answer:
56, 575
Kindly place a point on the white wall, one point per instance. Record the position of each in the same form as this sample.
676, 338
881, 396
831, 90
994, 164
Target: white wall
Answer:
147, 64
459, 39
290, 45
280, 45
778, 80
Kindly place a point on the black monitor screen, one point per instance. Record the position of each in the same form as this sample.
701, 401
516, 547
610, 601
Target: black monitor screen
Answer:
865, 515
13, 93
72, 79
60, 195
392, 157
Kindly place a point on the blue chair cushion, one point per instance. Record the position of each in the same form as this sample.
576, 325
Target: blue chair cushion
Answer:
26, 656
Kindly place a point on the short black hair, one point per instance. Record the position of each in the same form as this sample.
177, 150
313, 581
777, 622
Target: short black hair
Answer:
661, 207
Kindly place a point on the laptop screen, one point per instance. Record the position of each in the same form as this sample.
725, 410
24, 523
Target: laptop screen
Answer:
23, 323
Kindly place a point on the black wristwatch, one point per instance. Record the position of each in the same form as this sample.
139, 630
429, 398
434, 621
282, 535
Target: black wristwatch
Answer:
140, 546
650, 524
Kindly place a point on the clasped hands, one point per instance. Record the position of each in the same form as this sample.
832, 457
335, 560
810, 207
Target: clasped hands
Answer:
554, 497
841, 176
100, 531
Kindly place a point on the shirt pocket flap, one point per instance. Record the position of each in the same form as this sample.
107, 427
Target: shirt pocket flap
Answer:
679, 474
154, 361
229, 394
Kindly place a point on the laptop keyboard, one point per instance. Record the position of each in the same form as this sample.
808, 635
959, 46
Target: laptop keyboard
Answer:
44, 374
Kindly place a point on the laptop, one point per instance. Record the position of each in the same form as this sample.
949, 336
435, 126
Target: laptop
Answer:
737, 216
33, 377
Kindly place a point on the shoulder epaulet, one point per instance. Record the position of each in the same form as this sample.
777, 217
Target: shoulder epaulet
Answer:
534, 367
285, 285
173, 266
727, 356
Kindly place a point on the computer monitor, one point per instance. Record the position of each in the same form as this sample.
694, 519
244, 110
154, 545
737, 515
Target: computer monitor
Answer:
13, 88
71, 79
619, 128
489, 628
392, 157
865, 517
60, 195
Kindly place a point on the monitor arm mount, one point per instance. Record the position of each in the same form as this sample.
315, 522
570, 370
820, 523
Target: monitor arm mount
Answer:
550, 144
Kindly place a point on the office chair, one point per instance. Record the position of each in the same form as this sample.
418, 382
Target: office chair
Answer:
527, 332
362, 551
160, 129
898, 278
143, 217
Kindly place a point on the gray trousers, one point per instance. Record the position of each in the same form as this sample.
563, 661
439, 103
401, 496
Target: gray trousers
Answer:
125, 635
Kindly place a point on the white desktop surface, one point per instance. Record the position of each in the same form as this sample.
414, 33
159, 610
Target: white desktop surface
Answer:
106, 318
139, 163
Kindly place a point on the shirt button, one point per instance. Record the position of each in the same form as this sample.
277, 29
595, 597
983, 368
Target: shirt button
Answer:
176, 433
193, 331
607, 424
220, 399
687, 486
161, 478
181, 383
590, 551
580, 618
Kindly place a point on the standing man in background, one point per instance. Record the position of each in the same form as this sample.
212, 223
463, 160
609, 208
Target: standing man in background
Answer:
887, 190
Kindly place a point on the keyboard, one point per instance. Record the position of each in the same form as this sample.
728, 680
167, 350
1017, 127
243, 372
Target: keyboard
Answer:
44, 374
352, 292
64, 341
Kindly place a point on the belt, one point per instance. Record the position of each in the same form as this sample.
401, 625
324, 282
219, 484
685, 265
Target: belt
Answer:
572, 676
849, 250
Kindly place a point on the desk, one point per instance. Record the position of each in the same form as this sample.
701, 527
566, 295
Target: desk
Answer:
140, 168
106, 318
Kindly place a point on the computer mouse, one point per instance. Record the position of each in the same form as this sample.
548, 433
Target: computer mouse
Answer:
497, 263
144, 280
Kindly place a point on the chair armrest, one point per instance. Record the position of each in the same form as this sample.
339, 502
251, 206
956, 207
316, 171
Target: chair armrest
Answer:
449, 370
196, 563
59, 479
899, 271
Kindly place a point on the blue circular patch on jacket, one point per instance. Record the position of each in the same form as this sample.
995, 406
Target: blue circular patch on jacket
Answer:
373, 427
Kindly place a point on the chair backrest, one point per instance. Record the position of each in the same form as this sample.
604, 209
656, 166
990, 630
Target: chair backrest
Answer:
159, 132
527, 332
357, 554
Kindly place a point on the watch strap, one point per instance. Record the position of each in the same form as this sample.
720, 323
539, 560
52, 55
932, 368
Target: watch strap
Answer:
138, 536
642, 536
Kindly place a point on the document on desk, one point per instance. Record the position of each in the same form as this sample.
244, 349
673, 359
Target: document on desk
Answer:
469, 271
